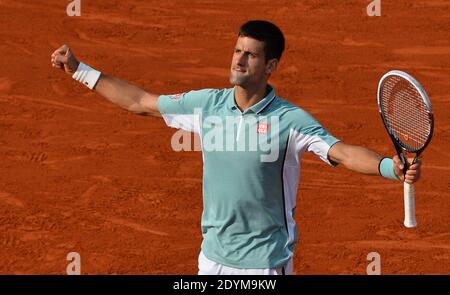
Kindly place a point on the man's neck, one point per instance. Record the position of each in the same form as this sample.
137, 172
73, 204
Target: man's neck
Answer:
247, 97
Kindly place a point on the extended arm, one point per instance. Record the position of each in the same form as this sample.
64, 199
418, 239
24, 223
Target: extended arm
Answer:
119, 92
128, 96
363, 160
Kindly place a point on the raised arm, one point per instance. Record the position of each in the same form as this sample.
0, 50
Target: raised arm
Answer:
119, 92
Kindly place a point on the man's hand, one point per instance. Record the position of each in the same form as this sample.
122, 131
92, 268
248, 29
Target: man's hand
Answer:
63, 58
413, 172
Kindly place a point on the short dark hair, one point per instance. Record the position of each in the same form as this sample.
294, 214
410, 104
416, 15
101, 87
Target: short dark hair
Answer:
266, 32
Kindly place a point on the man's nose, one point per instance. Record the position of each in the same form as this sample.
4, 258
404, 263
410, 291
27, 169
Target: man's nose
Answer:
241, 59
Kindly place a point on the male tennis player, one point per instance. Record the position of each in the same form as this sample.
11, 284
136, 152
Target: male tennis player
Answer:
252, 143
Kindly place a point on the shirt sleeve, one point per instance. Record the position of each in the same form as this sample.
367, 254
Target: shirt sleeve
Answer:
315, 138
182, 111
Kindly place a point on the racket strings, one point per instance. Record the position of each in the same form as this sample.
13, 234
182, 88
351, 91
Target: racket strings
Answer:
405, 112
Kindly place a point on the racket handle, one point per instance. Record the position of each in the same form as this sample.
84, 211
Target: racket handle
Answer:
410, 207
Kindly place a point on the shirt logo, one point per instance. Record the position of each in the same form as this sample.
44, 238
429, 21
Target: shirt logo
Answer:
262, 128
177, 96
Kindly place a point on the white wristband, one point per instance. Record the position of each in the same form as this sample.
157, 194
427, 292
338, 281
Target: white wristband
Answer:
86, 75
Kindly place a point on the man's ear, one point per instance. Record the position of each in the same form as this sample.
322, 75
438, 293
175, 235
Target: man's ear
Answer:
271, 66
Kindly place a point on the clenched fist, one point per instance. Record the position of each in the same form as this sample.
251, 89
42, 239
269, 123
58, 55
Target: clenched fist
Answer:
63, 58
412, 174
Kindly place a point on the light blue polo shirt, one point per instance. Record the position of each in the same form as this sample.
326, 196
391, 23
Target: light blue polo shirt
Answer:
251, 170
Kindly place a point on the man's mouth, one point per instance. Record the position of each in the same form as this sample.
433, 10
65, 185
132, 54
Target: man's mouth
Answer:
239, 70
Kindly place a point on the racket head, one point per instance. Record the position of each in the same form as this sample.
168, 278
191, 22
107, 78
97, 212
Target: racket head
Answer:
406, 111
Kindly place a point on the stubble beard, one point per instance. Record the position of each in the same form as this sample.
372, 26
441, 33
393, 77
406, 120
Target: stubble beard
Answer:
237, 80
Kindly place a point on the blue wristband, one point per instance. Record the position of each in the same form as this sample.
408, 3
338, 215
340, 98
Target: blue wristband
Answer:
386, 169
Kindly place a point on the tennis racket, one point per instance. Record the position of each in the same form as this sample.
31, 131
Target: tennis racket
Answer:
407, 115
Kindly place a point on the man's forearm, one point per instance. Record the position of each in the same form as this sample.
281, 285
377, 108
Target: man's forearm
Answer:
126, 95
355, 158
363, 160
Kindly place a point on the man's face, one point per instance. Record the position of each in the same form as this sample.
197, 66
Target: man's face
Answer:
248, 66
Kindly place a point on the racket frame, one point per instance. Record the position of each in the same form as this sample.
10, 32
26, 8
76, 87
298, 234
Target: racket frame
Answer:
399, 146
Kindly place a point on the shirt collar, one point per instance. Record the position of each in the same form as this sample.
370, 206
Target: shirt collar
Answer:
259, 106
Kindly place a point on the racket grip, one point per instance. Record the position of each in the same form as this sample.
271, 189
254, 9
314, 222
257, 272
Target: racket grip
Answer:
410, 207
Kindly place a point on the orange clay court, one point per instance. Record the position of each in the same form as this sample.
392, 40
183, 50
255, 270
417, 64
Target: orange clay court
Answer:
79, 174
